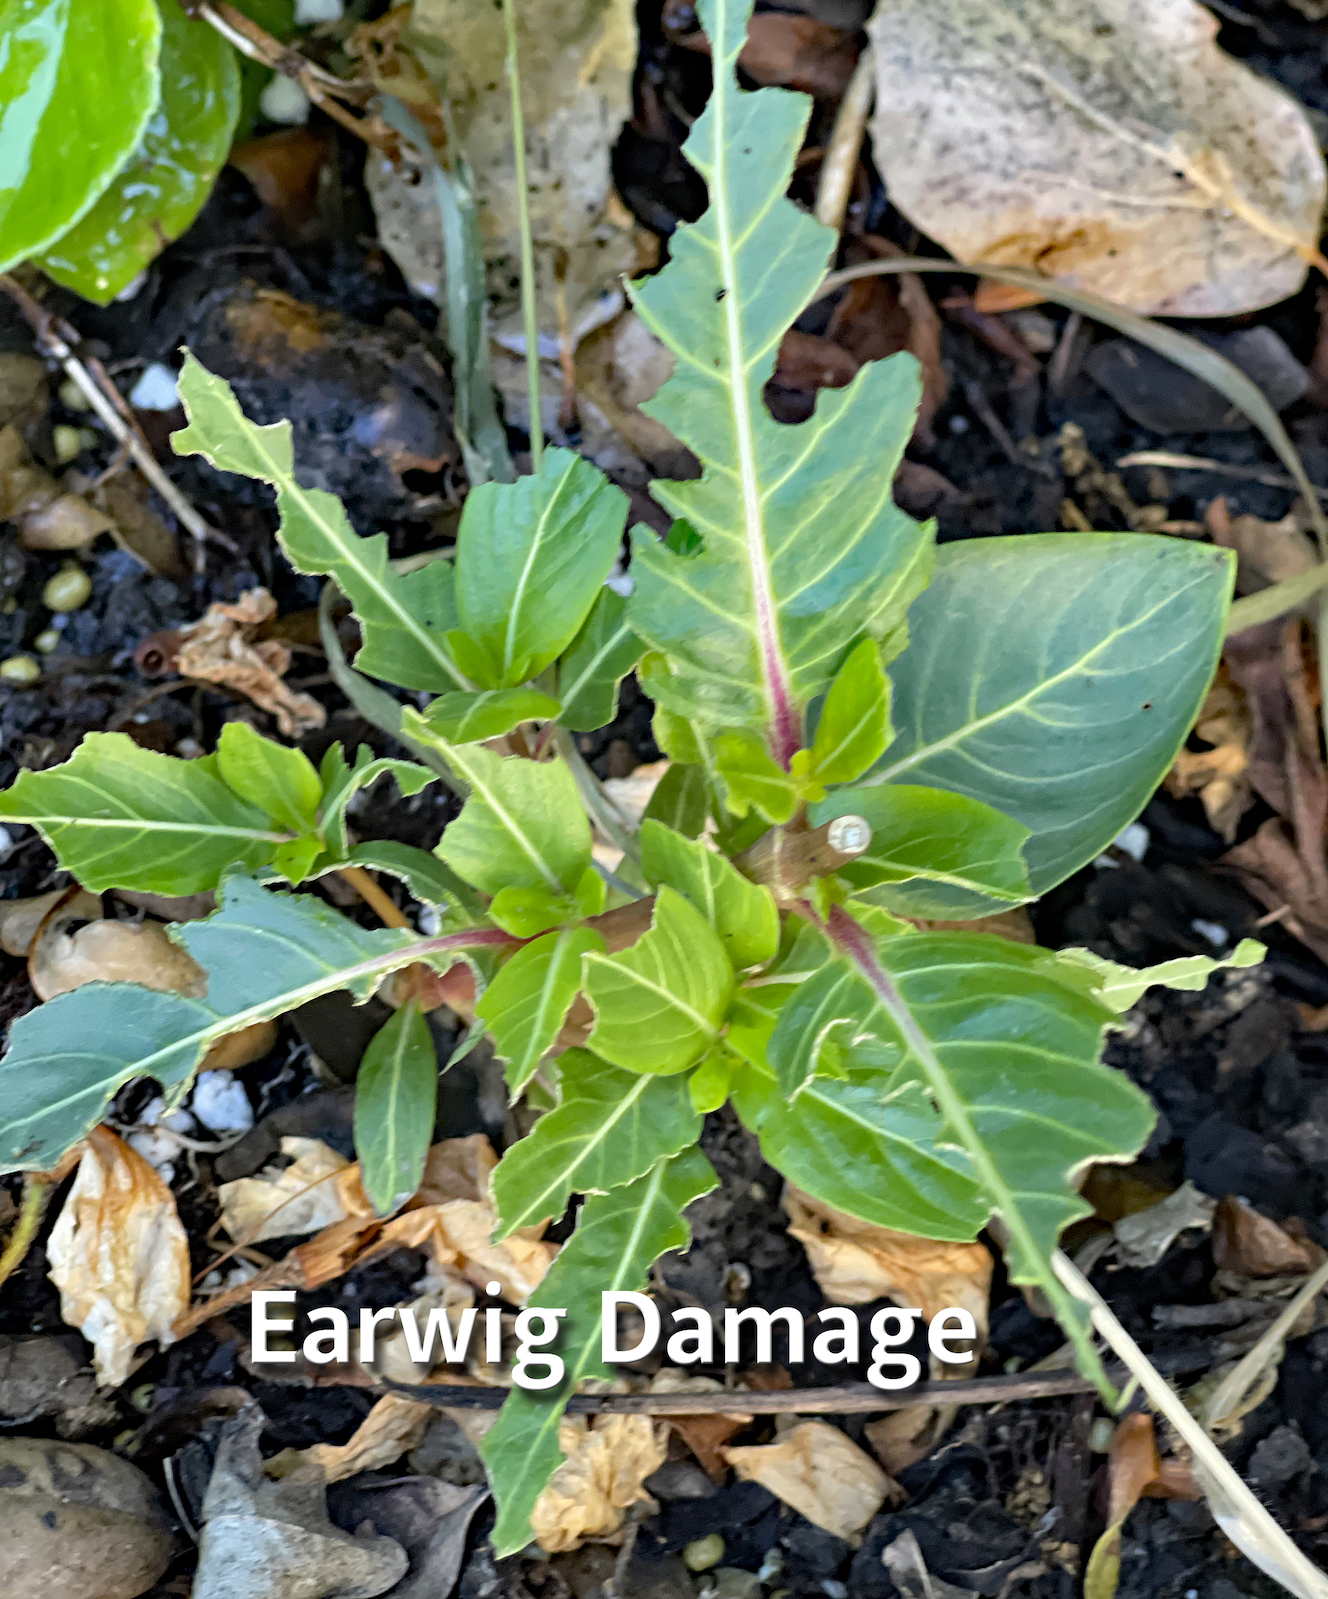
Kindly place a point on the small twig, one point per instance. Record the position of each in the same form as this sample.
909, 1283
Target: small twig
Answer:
993, 424
1201, 463
56, 339
35, 1190
1236, 1384
529, 313
835, 184
375, 898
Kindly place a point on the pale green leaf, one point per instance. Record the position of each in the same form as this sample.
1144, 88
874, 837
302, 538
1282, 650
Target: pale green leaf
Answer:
618, 1237
525, 1005
752, 778
471, 718
396, 1103
404, 618
589, 673
118, 816
609, 1129
531, 559
658, 1005
854, 726
1054, 679
932, 853
681, 800
264, 954
296, 861
708, 1086
277, 779
741, 912
341, 782
823, 1010
1119, 987
803, 547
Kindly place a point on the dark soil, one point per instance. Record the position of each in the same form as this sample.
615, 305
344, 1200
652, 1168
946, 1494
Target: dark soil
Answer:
1012, 1498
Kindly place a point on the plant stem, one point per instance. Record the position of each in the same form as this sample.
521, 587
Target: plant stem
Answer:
603, 812
529, 315
35, 1190
374, 897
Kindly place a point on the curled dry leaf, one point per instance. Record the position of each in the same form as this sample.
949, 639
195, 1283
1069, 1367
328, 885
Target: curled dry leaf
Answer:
394, 1425
449, 1292
317, 1189
822, 1474
907, 1566
221, 648
20, 919
608, 1459
118, 1255
902, 1438
855, 1262
108, 952
136, 527
1133, 1470
1109, 145
1250, 1245
1143, 1237
1219, 775
705, 1436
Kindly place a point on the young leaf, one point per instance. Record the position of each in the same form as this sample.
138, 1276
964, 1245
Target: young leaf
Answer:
340, 783
743, 913
471, 718
525, 1005
275, 778
602, 654
803, 546
854, 727
79, 82
658, 1005
1054, 678
404, 619
611, 1128
118, 816
932, 853
396, 1103
263, 953
531, 559
752, 778
618, 1237
708, 1086
161, 189
826, 1008
1119, 987
681, 800
522, 827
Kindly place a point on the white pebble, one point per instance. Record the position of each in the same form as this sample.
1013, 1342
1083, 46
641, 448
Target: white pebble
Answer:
620, 583
159, 1149
310, 12
1214, 932
1134, 840
156, 389
221, 1103
284, 101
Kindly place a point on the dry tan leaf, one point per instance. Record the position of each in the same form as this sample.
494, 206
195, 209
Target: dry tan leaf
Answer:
457, 1168
240, 1049
109, 952
275, 1204
1250, 1245
394, 1425
20, 919
457, 1234
1219, 775
608, 1460
902, 1438
1143, 1237
25, 487
1107, 144
703, 1435
1266, 552
219, 648
855, 1262
67, 523
118, 1255
449, 1292
819, 1472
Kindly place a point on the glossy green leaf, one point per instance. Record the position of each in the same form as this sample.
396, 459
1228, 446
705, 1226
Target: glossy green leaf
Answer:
118, 816
658, 1005
803, 548
752, 778
525, 1005
932, 853
531, 559
161, 189
405, 619
609, 1129
596, 662
743, 913
277, 779
854, 726
681, 800
472, 718
522, 827
1120, 987
341, 782
78, 83
1054, 679
264, 954
618, 1237
396, 1102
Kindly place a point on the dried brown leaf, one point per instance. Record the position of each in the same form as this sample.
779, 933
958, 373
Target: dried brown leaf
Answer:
820, 1473
607, 1460
1133, 1470
318, 1189
394, 1425
1249, 1244
1219, 775
221, 648
118, 1255
137, 528
902, 1438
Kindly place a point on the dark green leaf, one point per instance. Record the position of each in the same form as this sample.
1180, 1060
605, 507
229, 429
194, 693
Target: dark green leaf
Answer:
525, 1005
396, 1102
854, 726
590, 671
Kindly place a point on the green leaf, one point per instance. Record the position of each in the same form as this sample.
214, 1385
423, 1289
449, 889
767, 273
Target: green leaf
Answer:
708, 1086
264, 954
428, 880
531, 559
1120, 987
1054, 679
618, 1236
404, 618
118, 816
823, 1010
472, 718
522, 827
854, 726
658, 1005
932, 853
155, 197
743, 913
803, 546
295, 861
752, 778
396, 1103
525, 1005
340, 783
78, 83
277, 779
602, 654
610, 1128
681, 800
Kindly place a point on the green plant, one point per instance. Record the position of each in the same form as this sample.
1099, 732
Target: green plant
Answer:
119, 115
755, 943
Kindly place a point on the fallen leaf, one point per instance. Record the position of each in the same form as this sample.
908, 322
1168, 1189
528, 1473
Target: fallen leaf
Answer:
1219, 775
220, 648
457, 1168
783, 50
1109, 145
903, 1437
118, 1255
821, 1473
449, 1292
109, 952
23, 391
46, 515
1250, 1245
855, 1262
317, 1189
284, 168
1133, 1470
67, 523
394, 1425
457, 1234
136, 527
20, 919
1145, 1236
903, 1559
608, 1458
1266, 552
428, 1518
705, 1436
